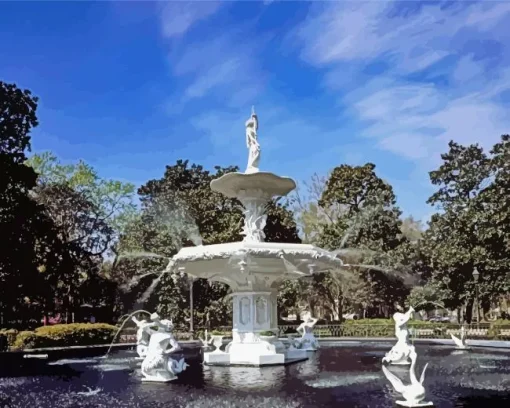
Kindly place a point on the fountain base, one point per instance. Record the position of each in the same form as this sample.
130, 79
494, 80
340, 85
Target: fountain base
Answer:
158, 380
400, 363
414, 404
254, 354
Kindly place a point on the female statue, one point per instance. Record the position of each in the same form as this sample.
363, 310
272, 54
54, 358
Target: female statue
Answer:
252, 126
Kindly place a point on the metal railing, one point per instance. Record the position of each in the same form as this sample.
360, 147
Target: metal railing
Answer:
482, 331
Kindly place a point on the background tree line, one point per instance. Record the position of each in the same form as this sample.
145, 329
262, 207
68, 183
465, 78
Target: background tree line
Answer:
71, 238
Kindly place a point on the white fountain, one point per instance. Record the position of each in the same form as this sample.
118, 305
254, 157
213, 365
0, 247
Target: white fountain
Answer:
460, 343
413, 393
253, 268
399, 354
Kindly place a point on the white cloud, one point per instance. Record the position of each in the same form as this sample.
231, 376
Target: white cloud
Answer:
177, 17
226, 66
415, 118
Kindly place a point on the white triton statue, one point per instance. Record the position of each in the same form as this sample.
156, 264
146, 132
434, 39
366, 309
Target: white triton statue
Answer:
252, 143
307, 341
142, 336
399, 354
414, 393
460, 343
157, 365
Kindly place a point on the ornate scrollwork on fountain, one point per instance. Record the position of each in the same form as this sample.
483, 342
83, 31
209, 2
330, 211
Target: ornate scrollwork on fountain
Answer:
255, 217
157, 365
399, 354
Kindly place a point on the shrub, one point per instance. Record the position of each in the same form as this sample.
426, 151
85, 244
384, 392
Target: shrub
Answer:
7, 338
266, 333
65, 335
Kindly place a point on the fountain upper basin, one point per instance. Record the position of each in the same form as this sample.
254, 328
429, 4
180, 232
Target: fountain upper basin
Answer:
235, 263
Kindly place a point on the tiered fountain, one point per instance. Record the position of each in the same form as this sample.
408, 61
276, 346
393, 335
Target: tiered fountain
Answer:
253, 268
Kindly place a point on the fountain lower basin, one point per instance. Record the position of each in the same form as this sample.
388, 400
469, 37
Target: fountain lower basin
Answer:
254, 270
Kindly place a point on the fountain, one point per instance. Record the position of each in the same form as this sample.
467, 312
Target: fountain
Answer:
253, 268
414, 393
400, 352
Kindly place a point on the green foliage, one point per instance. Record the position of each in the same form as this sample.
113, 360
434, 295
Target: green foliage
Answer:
365, 230
106, 206
472, 231
7, 338
266, 333
65, 335
33, 258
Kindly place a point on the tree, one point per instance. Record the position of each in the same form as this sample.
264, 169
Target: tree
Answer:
32, 260
106, 206
472, 229
90, 214
353, 213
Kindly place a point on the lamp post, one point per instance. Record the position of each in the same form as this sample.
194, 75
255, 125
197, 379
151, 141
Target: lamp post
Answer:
191, 329
476, 276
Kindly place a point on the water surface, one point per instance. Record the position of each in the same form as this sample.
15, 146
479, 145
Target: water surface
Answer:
339, 375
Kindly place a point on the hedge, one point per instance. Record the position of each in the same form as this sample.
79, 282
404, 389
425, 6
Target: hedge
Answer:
7, 338
65, 335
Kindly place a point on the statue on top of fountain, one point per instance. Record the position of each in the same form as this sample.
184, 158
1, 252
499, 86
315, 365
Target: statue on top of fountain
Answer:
157, 365
307, 341
399, 354
252, 143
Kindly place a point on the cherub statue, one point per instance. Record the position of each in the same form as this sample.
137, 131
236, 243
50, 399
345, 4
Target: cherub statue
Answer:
157, 365
142, 336
399, 354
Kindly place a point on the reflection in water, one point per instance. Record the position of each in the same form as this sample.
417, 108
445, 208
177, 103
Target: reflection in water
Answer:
245, 378
342, 380
310, 367
67, 361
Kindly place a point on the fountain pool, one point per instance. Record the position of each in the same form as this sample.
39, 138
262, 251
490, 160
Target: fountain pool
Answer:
340, 374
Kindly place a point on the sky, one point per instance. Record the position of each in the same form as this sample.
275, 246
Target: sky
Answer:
131, 87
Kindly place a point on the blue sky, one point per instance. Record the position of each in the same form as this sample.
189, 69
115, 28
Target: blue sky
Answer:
133, 86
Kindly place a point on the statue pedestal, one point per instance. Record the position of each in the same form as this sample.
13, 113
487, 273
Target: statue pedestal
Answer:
414, 405
158, 379
254, 313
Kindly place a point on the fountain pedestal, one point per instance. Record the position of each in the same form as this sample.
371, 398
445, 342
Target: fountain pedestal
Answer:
254, 313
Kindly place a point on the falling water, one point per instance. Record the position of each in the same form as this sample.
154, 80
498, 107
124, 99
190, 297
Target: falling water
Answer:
122, 326
179, 222
155, 282
432, 303
139, 254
